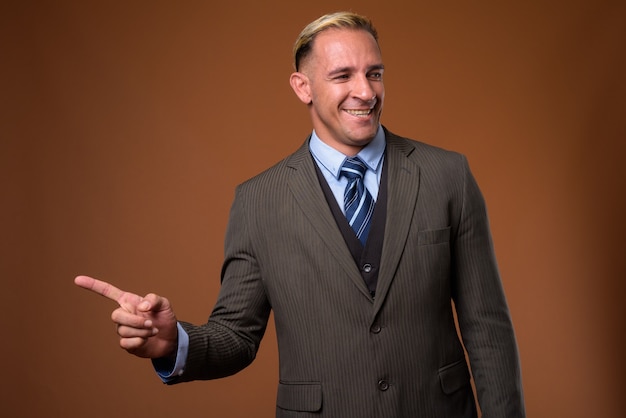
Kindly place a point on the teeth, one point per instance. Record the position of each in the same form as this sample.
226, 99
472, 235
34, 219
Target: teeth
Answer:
359, 112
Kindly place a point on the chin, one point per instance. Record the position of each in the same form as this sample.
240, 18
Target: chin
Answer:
361, 141
364, 135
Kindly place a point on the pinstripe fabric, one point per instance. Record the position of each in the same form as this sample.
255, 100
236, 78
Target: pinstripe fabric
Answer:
342, 353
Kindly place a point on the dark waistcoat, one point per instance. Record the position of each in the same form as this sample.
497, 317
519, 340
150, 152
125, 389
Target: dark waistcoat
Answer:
367, 258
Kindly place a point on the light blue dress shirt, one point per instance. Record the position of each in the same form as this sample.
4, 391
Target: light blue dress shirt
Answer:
329, 160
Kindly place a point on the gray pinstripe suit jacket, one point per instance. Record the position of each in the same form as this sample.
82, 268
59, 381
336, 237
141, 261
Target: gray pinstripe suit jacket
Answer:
343, 353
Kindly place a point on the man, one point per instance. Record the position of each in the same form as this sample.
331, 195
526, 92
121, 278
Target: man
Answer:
359, 268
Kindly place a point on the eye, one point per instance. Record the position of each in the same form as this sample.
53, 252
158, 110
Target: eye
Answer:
376, 75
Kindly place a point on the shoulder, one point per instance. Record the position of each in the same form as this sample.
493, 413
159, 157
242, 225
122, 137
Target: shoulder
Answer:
425, 155
272, 178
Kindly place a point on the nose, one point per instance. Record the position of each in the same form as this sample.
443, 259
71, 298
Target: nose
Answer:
363, 89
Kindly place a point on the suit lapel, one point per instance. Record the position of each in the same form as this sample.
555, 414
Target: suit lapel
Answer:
309, 195
403, 187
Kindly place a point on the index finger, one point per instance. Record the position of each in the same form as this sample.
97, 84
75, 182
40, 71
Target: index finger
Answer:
98, 286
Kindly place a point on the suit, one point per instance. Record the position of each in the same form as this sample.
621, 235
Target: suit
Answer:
344, 353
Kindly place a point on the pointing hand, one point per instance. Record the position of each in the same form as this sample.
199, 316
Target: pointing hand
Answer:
146, 325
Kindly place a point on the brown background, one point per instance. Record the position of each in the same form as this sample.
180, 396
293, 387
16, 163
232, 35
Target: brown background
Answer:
126, 125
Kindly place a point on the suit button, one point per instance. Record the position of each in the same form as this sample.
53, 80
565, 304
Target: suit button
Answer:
383, 385
367, 268
375, 329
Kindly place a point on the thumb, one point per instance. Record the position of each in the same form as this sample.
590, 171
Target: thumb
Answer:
152, 302
144, 306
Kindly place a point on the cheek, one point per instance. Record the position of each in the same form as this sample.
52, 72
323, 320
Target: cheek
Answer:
328, 99
324, 104
380, 91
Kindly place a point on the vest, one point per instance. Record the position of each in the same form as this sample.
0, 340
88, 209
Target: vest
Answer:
366, 258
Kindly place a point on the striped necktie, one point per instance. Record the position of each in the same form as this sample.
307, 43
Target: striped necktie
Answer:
357, 200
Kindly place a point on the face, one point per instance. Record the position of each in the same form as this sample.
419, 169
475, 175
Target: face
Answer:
342, 83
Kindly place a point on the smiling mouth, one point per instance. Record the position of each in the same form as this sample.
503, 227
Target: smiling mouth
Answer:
359, 113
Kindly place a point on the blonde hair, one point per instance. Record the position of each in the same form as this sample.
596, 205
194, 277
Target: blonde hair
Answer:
338, 20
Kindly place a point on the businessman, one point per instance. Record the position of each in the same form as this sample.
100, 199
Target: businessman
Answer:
358, 242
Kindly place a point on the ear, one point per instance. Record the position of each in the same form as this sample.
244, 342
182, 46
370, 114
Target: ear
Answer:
300, 84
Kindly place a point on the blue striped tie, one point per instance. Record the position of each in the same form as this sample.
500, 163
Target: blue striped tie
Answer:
357, 200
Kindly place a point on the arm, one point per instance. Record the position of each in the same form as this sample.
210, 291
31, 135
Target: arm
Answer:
227, 343
230, 339
483, 314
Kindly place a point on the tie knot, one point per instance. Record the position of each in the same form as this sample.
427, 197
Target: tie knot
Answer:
353, 168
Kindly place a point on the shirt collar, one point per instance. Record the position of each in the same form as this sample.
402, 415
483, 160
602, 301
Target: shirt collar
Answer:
332, 160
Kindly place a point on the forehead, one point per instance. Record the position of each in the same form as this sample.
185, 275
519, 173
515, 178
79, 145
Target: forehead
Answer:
346, 46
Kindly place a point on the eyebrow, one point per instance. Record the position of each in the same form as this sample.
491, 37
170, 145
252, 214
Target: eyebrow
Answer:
341, 70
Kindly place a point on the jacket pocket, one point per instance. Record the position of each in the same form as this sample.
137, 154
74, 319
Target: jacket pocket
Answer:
299, 396
433, 236
454, 376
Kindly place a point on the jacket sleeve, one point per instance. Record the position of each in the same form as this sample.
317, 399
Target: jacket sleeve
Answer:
482, 310
230, 339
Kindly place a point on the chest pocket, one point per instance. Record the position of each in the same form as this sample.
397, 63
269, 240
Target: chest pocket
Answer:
433, 236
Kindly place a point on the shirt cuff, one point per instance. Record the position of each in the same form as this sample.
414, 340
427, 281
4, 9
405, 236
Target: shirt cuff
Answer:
169, 370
